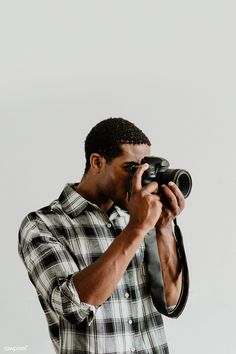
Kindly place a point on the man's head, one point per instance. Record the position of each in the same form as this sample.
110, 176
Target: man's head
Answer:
111, 148
107, 137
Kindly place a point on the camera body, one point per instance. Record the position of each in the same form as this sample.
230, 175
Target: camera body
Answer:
159, 171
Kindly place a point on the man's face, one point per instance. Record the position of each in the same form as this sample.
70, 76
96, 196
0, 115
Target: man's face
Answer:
114, 177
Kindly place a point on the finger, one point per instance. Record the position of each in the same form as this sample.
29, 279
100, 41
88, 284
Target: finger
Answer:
178, 194
137, 177
169, 199
151, 188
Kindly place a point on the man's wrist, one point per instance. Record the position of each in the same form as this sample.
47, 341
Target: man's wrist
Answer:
137, 229
164, 230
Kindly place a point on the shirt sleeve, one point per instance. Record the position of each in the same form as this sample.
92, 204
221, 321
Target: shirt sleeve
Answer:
51, 267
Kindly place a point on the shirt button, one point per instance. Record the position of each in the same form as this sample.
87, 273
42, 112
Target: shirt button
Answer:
109, 225
132, 349
130, 321
127, 295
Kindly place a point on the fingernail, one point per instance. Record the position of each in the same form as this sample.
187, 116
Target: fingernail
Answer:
171, 183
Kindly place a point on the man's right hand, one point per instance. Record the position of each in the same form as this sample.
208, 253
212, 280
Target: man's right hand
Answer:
144, 205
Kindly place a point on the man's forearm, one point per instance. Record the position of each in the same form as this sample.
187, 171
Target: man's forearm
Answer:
96, 283
170, 264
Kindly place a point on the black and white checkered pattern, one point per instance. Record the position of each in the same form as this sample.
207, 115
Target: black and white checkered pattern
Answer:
65, 237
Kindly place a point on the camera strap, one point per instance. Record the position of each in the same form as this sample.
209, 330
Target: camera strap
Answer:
155, 274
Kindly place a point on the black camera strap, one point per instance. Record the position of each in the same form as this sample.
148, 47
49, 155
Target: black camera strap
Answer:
155, 274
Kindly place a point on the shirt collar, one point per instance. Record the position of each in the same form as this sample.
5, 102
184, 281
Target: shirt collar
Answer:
71, 201
74, 204
120, 212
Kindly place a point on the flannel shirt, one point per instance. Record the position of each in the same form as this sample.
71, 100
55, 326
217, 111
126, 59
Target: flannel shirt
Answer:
65, 237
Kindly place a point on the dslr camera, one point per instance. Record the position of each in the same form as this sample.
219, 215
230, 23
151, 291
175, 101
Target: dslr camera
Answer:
160, 172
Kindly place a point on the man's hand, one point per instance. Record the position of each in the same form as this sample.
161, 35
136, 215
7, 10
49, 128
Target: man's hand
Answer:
145, 207
173, 204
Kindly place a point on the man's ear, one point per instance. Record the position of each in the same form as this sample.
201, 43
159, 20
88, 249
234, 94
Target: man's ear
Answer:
96, 162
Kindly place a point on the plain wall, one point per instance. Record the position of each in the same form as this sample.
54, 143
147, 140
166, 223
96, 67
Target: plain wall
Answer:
167, 66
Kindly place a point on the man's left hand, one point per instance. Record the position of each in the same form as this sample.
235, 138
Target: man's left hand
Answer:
173, 203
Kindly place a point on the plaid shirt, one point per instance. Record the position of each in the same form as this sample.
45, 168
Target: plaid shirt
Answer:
65, 237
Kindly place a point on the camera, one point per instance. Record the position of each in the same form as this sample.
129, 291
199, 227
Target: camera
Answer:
159, 171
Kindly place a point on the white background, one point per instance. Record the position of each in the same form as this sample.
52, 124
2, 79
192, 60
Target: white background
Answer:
169, 67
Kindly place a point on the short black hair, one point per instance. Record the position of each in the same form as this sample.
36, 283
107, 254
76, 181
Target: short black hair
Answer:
106, 138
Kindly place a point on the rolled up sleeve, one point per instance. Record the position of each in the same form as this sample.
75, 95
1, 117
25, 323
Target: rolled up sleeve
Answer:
65, 300
51, 267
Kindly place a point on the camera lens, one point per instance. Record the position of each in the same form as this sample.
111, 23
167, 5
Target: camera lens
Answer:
181, 178
184, 181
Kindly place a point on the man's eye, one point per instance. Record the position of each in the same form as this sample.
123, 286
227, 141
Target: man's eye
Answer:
127, 168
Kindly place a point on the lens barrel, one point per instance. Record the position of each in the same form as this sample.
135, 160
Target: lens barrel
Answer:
180, 177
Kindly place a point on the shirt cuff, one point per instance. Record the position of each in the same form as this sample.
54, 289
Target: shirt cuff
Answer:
66, 302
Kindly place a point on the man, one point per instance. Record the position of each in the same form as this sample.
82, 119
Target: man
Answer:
84, 253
